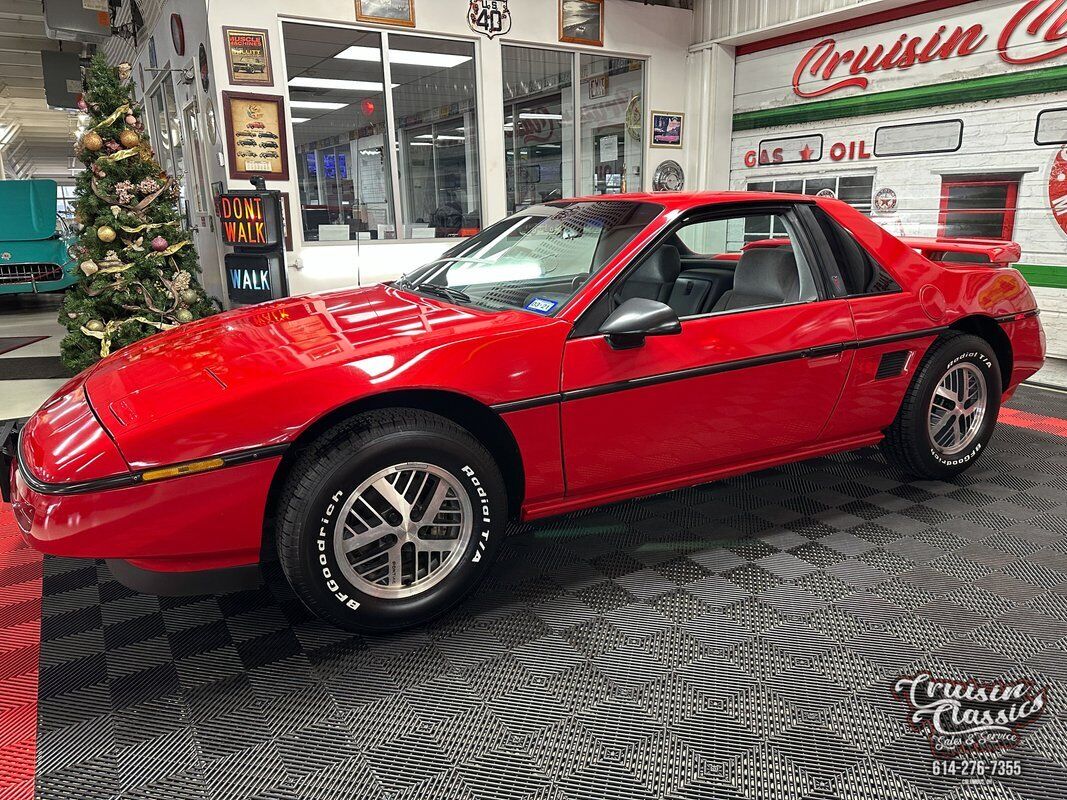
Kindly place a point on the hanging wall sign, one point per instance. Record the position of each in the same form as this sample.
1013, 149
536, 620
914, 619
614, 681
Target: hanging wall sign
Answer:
248, 56
885, 201
489, 17
255, 136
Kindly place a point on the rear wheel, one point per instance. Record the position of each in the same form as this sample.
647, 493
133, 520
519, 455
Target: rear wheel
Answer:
949, 413
389, 519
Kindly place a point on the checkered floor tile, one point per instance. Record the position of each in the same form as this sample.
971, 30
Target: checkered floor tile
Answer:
734, 640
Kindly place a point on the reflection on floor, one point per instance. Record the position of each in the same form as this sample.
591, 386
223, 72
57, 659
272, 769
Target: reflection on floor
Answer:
25, 384
733, 640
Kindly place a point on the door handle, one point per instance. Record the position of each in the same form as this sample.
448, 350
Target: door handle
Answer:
825, 351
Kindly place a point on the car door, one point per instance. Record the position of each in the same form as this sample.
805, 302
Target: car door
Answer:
746, 379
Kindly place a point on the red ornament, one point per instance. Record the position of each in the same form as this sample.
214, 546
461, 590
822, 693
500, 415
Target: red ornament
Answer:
367, 107
159, 244
82, 105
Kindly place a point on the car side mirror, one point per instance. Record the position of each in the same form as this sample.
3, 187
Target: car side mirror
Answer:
629, 324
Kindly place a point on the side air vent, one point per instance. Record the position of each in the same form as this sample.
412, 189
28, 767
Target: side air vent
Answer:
892, 364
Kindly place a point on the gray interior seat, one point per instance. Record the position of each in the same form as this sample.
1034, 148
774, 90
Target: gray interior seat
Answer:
764, 277
698, 289
655, 278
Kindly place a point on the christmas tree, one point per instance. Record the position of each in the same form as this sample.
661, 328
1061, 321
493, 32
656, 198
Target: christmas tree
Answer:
137, 265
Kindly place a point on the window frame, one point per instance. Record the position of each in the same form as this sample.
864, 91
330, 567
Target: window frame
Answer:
1011, 202
391, 131
831, 264
711, 213
956, 149
1037, 127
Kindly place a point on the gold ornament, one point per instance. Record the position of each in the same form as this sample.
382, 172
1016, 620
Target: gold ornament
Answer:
105, 233
94, 325
183, 315
92, 141
129, 138
188, 296
89, 267
125, 70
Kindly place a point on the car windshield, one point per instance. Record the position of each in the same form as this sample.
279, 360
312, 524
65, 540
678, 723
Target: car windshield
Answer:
535, 260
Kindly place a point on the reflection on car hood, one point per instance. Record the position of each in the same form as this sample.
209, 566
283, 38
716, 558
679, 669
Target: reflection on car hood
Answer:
373, 329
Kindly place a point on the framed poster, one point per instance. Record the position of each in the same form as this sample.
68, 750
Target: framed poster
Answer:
255, 136
582, 22
389, 12
248, 56
666, 129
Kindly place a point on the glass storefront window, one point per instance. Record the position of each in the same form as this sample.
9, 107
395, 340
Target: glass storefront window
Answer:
342, 132
337, 100
434, 105
538, 125
611, 97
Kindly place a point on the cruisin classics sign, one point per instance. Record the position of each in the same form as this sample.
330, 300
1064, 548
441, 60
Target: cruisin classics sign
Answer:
966, 41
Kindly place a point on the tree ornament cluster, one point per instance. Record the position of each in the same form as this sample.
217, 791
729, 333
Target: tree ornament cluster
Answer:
138, 265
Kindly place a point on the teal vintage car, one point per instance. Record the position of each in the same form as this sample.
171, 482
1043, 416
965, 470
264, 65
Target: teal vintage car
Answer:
33, 239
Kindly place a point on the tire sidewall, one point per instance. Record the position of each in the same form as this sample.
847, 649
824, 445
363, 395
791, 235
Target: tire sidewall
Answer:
969, 350
344, 602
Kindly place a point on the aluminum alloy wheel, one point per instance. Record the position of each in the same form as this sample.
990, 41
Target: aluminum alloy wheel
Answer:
957, 409
402, 530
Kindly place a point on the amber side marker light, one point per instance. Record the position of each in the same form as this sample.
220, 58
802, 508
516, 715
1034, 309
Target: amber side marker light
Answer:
182, 469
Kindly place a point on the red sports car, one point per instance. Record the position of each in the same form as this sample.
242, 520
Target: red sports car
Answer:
577, 353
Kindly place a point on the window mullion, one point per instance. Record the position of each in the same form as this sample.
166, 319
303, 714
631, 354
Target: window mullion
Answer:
392, 143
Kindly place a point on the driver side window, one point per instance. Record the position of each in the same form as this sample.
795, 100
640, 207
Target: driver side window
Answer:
724, 264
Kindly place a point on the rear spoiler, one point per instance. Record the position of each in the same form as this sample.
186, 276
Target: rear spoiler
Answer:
999, 252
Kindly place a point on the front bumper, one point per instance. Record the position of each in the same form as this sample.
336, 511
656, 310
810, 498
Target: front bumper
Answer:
208, 521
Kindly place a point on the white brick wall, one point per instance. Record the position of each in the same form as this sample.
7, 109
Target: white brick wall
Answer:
998, 137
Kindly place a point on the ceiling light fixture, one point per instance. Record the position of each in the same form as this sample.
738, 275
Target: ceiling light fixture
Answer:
534, 115
335, 83
298, 120
317, 104
413, 58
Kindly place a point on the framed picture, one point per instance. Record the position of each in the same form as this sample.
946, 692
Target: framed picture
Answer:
255, 136
666, 129
248, 56
582, 22
389, 12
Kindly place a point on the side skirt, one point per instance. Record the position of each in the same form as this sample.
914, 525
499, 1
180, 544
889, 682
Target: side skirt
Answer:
567, 504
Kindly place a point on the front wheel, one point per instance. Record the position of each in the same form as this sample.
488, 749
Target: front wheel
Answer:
389, 519
949, 413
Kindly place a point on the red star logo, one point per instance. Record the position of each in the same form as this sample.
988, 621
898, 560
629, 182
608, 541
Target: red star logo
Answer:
806, 152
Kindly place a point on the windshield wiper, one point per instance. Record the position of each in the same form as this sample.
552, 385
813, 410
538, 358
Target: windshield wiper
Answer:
447, 292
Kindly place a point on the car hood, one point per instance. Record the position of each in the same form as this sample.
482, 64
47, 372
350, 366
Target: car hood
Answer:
254, 361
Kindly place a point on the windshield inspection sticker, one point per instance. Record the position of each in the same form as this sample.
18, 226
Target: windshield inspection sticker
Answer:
542, 305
